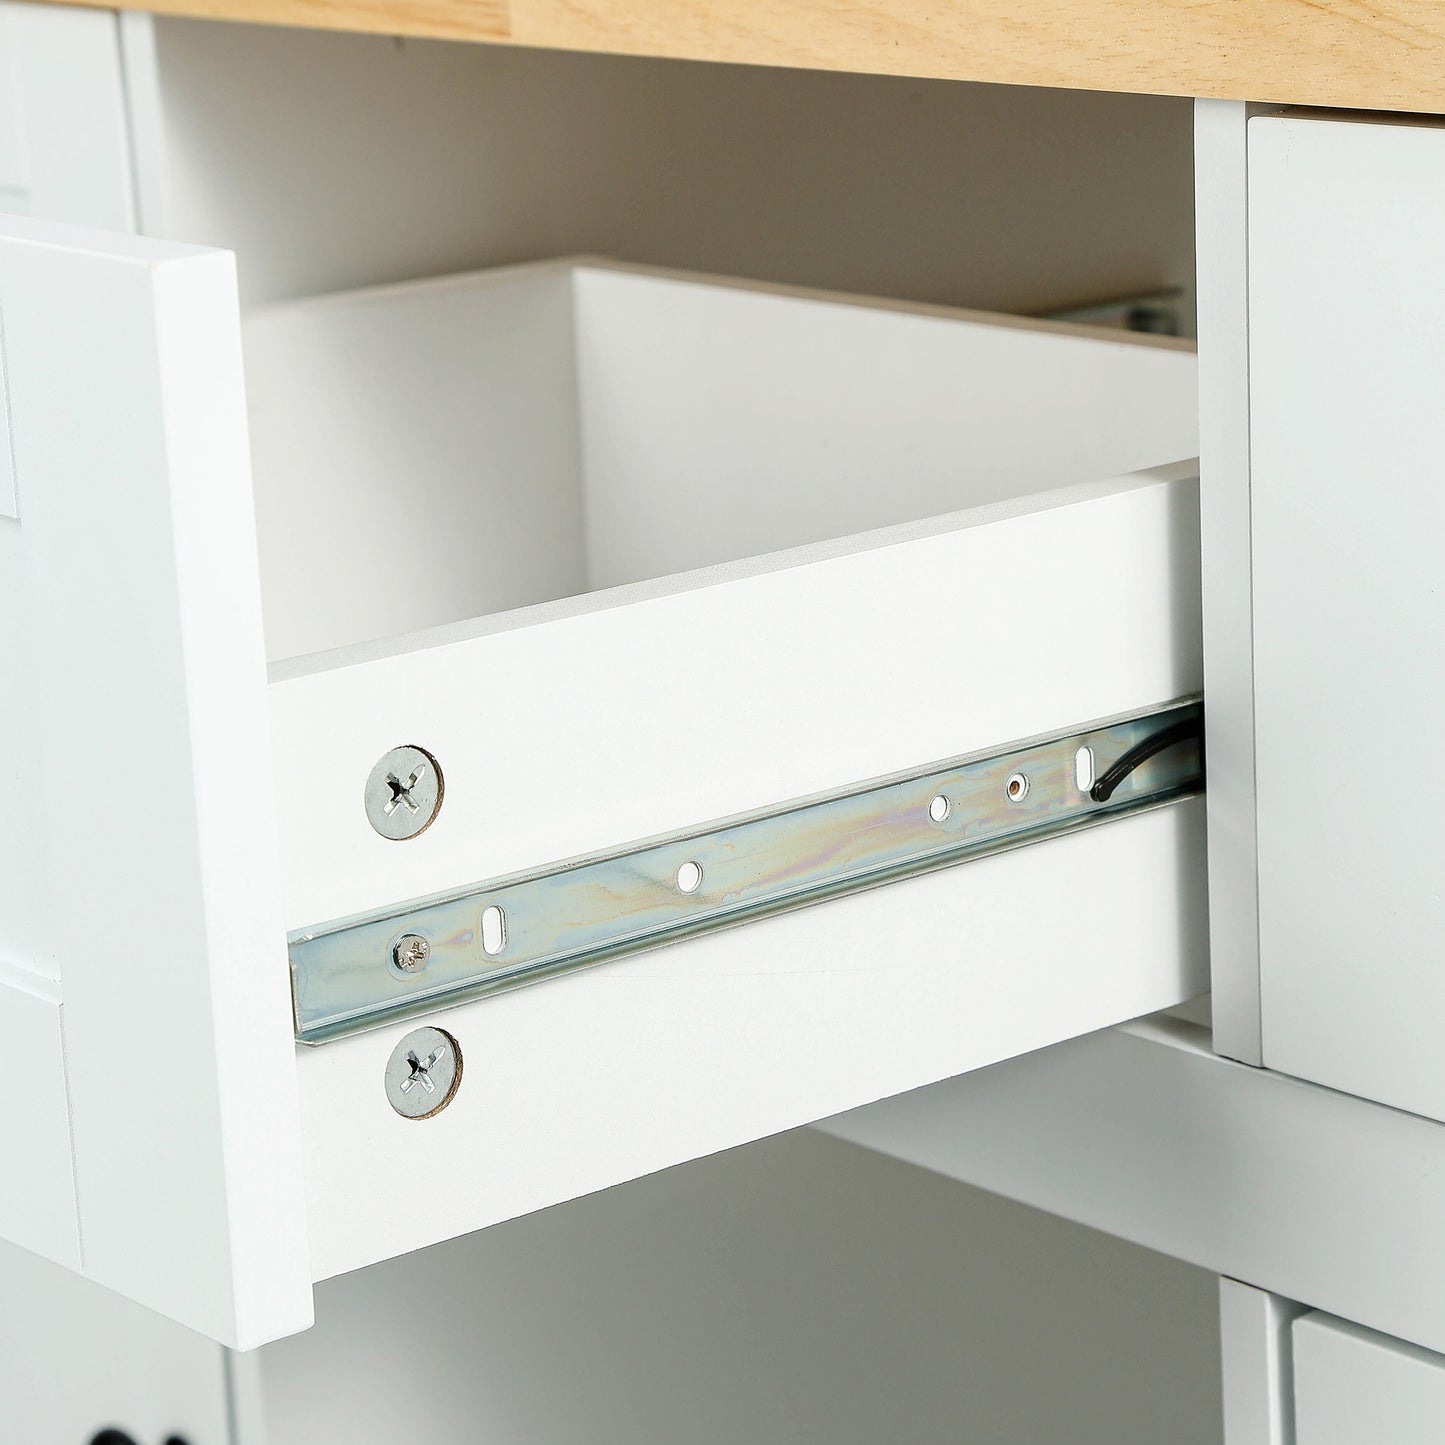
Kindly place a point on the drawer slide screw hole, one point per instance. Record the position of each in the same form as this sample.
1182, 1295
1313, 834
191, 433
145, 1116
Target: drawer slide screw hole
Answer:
1017, 788
939, 808
494, 930
689, 877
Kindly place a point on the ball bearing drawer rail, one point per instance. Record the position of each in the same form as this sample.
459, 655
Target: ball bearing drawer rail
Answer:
358, 973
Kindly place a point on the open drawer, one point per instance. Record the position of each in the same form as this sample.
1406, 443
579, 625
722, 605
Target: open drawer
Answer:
636, 571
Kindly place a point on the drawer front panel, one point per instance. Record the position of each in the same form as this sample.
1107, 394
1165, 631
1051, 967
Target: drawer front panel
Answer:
1355, 1387
133, 602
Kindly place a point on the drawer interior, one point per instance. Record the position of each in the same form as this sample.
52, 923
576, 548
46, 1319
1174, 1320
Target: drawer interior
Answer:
446, 450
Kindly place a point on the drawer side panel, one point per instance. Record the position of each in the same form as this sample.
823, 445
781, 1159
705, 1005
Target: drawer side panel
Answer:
741, 690
578, 1084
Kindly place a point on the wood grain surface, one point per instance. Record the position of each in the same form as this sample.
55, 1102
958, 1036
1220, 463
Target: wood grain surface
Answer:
1388, 55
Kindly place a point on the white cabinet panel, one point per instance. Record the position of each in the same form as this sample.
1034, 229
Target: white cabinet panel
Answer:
64, 152
37, 1209
1347, 375
1144, 1132
1355, 1387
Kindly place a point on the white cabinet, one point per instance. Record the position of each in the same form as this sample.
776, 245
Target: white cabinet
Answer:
1355, 1387
680, 552
650, 573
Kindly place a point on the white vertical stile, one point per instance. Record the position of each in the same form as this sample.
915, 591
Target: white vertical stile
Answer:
149, 772
1255, 1356
1224, 525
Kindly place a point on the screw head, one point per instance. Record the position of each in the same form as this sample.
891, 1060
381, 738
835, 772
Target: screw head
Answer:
410, 952
423, 1072
404, 793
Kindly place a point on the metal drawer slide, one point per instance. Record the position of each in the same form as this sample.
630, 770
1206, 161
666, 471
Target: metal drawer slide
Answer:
412, 959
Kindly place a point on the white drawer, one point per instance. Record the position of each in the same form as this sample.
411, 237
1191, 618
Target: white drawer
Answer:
629, 555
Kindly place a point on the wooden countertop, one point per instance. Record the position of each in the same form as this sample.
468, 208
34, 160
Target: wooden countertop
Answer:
1387, 55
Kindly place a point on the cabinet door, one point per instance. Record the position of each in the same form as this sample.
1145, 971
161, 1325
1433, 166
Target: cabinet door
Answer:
142, 953
1347, 381
1355, 1387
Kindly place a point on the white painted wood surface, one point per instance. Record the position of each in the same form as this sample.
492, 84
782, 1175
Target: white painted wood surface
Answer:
1221, 224
724, 421
63, 131
9, 495
416, 456
1347, 307
76, 1359
625, 715
147, 882
1256, 1358
1356, 1387
1144, 1132
806, 177
37, 1206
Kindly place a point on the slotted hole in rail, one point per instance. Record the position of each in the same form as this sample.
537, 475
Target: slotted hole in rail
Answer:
1084, 769
494, 929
